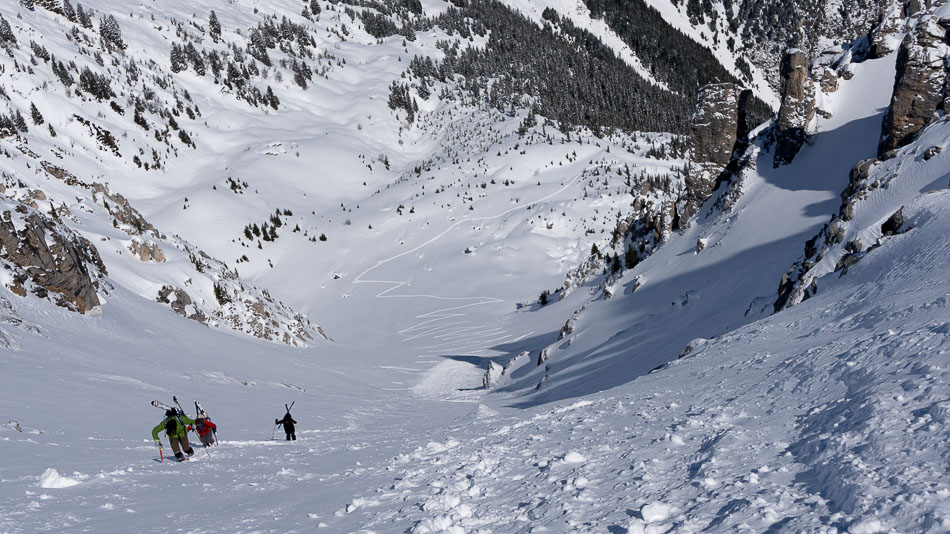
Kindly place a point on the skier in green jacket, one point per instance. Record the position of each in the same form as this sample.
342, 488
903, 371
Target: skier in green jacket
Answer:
176, 428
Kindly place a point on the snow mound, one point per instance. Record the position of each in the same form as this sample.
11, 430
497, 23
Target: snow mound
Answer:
52, 479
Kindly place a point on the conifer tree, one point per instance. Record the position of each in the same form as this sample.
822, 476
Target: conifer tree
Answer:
68, 11
178, 60
6, 32
110, 32
214, 27
36, 115
83, 16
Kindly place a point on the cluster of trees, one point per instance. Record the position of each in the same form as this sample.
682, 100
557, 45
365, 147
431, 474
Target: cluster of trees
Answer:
7, 38
12, 123
400, 98
268, 229
110, 32
765, 28
681, 63
184, 55
565, 72
97, 85
79, 15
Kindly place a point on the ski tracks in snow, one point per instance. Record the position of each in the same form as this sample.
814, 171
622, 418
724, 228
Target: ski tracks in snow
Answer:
453, 339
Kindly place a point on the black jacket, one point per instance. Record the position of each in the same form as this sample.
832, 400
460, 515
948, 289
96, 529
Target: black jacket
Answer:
288, 423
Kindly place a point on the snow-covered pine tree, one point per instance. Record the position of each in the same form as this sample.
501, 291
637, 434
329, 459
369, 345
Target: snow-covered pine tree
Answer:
179, 61
272, 99
83, 16
194, 57
19, 122
68, 11
6, 32
36, 115
110, 31
214, 26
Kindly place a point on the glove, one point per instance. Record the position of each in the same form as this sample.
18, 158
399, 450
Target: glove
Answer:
159, 443
189, 428
276, 421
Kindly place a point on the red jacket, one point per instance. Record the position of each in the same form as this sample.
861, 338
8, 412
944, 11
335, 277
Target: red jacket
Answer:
203, 426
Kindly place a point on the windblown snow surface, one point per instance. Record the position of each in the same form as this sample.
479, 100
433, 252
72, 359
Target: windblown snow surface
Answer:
832, 416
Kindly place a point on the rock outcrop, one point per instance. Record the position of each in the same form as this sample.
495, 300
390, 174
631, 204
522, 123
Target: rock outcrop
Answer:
181, 303
885, 37
919, 84
718, 128
798, 106
129, 218
49, 260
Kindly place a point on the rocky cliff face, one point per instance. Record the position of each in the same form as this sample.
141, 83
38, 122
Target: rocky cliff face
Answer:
718, 126
45, 258
798, 106
885, 37
919, 85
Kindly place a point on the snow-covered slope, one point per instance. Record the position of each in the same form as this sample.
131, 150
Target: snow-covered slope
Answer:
831, 416
441, 234
723, 271
287, 199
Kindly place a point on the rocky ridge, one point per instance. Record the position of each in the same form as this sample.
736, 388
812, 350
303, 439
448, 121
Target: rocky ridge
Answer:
50, 258
43, 257
917, 105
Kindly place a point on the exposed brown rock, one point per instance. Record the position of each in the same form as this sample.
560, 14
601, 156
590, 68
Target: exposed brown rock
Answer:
884, 38
798, 106
718, 126
181, 303
123, 212
918, 87
829, 81
147, 251
715, 125
893, 224
50, 259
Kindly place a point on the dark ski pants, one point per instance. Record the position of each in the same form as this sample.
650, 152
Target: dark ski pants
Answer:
207, 440
181, 443
291, 435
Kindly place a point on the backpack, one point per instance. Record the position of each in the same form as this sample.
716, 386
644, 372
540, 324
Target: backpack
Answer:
171, 425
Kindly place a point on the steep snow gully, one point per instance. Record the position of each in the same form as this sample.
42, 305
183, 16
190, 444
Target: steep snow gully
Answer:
831, 416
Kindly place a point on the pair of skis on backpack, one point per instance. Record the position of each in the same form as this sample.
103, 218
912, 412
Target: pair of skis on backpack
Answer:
200, 414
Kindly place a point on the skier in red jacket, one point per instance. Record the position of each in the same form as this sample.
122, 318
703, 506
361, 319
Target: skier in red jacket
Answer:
207, 431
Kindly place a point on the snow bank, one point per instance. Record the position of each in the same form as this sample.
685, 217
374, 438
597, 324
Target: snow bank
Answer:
52, 479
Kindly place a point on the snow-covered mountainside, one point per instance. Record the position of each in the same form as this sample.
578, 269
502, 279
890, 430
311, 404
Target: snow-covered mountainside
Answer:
564, 279
750, 36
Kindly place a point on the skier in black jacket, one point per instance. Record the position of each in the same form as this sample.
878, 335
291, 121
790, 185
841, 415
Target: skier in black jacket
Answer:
289, 426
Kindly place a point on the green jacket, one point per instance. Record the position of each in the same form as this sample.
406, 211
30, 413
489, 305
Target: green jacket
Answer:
179, 432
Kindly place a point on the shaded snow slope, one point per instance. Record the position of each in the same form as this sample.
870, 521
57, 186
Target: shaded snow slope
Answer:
734, 279
831, 417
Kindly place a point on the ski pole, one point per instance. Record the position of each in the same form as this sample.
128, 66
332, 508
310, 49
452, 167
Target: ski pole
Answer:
160, 455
